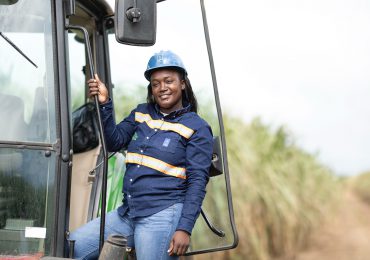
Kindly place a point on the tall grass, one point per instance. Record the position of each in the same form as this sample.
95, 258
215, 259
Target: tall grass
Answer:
280, 192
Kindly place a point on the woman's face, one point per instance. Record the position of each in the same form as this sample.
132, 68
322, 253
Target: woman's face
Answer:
167, 89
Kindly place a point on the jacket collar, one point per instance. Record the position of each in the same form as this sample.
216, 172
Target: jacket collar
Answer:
175, 113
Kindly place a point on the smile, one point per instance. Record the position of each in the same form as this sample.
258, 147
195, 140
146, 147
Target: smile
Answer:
165, 96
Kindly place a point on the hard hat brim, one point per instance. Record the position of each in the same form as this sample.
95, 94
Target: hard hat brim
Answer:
148, 73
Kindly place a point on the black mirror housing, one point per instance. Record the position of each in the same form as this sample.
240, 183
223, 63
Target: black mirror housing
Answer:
8, 2
136, 22
217, 165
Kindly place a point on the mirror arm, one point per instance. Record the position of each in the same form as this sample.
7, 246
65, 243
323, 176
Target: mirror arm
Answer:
218, 232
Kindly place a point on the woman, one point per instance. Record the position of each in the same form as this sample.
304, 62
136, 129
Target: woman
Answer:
169, 151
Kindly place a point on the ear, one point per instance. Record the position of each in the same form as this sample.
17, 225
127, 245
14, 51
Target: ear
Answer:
183, 85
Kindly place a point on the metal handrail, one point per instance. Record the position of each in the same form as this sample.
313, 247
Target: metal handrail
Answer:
101, 133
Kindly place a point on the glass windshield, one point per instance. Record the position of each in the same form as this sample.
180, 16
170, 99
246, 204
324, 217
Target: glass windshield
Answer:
184, 36
27, 114
26, 78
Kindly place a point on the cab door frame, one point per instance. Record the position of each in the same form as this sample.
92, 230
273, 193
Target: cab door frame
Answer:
64, 127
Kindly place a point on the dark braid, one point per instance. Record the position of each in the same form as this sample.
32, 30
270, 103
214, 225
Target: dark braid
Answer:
189, 96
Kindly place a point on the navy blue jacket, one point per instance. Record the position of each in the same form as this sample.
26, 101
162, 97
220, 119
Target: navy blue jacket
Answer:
167, 161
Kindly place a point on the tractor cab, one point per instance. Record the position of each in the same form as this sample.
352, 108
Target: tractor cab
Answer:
55, 178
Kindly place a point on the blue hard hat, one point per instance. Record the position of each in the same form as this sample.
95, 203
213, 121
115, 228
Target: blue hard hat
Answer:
164, 59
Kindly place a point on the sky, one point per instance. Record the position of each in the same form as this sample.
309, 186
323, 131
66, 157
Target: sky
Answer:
298, 63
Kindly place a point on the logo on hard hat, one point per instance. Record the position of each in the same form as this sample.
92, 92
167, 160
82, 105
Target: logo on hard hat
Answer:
160, 58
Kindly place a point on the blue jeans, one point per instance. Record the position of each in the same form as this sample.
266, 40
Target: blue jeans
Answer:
151, 235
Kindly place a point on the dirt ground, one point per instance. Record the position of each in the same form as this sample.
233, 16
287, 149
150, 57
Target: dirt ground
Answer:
345, 237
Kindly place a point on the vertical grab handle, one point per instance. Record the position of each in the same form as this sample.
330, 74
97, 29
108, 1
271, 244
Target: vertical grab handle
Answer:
102, 139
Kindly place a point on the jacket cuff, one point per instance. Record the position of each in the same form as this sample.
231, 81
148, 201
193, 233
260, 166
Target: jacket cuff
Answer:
185, 225
108, 103
107, 106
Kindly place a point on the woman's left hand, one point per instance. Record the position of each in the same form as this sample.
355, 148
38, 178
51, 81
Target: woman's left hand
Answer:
179, 243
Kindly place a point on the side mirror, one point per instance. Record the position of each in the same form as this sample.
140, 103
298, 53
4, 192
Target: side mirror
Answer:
8, 2
136, 22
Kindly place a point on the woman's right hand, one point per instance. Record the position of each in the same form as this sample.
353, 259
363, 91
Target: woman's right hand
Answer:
96, 87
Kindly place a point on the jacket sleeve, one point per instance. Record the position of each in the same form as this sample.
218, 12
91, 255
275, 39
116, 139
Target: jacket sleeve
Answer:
198, 161
117, 136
